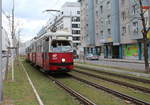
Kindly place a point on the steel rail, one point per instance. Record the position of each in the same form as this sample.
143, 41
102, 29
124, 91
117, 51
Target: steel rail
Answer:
73, 92
78, 96
118, 75
136, 87
116, 93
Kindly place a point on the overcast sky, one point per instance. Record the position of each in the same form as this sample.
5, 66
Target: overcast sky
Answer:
29, 16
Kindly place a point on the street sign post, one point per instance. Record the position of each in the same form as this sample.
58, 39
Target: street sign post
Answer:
1, 77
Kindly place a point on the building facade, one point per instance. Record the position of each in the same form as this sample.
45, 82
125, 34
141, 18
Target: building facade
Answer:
88, 25
104, 38
117, 27
5, 41
6, 34
131, 29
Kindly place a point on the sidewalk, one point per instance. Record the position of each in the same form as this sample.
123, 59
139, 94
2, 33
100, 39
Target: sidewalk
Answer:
123, 60
127, 65
19, 91
112, 70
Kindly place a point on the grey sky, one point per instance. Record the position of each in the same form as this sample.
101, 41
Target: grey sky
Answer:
29, 14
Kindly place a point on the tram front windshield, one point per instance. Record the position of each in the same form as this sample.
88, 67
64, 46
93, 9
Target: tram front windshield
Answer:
61, 46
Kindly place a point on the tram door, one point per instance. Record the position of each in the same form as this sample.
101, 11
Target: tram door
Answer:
45, 53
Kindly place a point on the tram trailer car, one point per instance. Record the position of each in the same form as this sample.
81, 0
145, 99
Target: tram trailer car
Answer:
52, 52
27, 54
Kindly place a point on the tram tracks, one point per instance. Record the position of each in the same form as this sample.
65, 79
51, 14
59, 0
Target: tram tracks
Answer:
81, 98
101, 87
116, 93
98, 86
136, 87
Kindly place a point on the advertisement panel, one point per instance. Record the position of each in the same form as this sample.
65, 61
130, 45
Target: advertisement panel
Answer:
131, 50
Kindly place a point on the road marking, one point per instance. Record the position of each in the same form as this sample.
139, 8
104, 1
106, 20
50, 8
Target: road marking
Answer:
33, 87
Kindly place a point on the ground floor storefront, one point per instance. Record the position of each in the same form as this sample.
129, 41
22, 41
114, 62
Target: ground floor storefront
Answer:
124, 51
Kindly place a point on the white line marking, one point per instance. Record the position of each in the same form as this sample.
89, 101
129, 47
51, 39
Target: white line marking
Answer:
31, 83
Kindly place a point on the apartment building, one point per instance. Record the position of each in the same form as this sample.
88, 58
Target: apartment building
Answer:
69, 20
117, 27
6, 35
5, 41
88, 25
104, 31
131, 29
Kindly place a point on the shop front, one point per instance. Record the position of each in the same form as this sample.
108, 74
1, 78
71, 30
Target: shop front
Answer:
130, 51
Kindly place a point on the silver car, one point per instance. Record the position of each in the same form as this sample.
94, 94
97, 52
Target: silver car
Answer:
91, 56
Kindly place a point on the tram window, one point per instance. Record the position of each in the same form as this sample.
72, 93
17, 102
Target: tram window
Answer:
60, 43
61, 46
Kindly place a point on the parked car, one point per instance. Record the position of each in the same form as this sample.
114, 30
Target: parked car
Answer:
91, 56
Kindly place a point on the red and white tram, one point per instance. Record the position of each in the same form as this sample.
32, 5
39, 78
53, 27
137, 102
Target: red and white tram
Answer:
52, 52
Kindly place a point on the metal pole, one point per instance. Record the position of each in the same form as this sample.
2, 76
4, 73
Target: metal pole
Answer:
13, 42
1, 77
12, 67
18, 45
7, 64
13, 22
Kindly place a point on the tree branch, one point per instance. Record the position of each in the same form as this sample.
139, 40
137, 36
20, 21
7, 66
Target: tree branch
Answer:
148, 29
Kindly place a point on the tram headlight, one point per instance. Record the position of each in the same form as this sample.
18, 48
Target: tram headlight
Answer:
63, 59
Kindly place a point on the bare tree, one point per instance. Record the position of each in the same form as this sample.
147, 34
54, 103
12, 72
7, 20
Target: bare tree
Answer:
145, 39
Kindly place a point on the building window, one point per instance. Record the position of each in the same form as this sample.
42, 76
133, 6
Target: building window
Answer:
76, 19
134, 9
101, 9
77, 38
102, 23
109, 19
75, 25
123, 30
109, 31
135, 27
108, 4
123, 15
97, 13
102, 34
78, 12
75, 31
